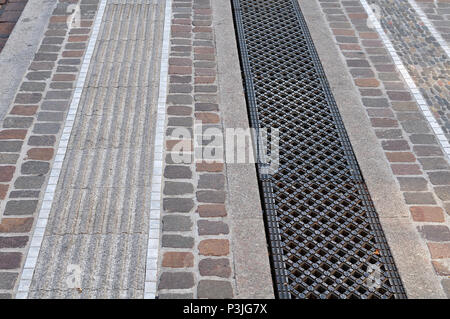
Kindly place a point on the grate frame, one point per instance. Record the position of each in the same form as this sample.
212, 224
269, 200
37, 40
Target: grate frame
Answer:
281, 273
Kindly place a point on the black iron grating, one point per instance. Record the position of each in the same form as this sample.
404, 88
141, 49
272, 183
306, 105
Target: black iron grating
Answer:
325, 236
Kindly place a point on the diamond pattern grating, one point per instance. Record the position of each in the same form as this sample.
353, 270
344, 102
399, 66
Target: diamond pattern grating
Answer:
325, 236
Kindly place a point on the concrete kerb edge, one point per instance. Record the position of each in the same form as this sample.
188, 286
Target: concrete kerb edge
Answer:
253, 278
408, 250
20, 48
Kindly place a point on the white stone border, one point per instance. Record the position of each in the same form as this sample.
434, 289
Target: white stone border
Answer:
38, 233
151, 269
409, 81
430, 26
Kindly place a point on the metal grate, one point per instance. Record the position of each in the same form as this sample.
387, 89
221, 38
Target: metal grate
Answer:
325, 236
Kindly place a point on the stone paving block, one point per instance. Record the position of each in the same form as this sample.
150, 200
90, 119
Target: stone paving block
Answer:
214, 247
175, 296
211, 196
29, 182
13, 242
434, 163
439, 250
442, 267
7, 280
35, 168
217, 210
412, 183
178, 188
10, 260
42, 140
24, 194
15, 225
33, 86
46, 128
24, 110
211, 181
178, 259
439, 177
443, 192
182, 205
214, 289
427, 214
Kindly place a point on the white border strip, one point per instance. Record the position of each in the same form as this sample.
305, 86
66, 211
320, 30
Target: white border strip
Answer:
151, 269
38, 234
409, 81
430, 27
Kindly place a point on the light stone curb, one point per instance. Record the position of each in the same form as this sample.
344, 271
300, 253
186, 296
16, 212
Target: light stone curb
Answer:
36, 241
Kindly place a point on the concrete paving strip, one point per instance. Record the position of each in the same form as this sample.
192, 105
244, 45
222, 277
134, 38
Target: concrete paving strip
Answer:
95, 240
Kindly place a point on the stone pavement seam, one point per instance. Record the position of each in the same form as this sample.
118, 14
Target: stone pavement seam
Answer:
196, 256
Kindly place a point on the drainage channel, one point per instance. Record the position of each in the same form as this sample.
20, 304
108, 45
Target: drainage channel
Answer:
325, 236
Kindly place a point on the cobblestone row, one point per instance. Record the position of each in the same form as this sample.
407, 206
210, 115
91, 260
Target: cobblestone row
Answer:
196, 257
30, 131
416, 160
422, 55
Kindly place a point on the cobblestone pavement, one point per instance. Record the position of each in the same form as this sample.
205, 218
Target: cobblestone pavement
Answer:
77, 148
10, 11
100, 214
422, 55
416, 159
195, 236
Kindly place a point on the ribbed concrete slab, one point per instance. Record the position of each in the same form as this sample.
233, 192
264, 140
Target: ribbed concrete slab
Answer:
99, 217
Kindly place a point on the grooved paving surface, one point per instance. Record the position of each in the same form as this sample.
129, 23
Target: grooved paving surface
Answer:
99, 217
